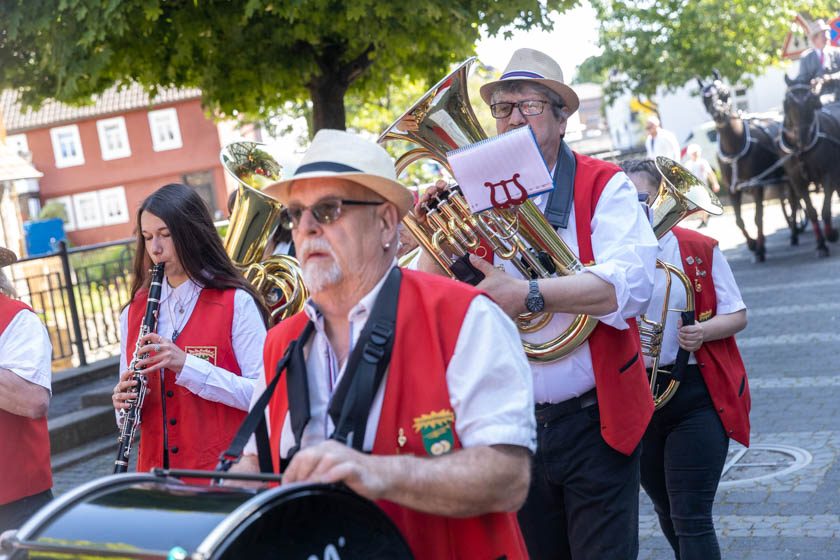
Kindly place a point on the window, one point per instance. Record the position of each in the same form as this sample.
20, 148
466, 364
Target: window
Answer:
113, 206
202, 182
86, 206
67, 146
18, 143
166, 135
741, 102
65, 201
113, 138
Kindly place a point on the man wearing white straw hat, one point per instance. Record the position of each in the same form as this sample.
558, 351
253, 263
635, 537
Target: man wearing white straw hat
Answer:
25, 370
593, 405
823, 60
443, 439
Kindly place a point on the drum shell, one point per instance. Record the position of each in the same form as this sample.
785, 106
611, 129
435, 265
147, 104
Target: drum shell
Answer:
147, 516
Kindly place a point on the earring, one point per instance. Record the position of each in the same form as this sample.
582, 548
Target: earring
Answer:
387, 245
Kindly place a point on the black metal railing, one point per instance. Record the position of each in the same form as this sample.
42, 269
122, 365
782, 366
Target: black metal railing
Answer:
79, 294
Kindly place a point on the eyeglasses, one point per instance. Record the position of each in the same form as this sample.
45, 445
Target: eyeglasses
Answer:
528, 107
324, 211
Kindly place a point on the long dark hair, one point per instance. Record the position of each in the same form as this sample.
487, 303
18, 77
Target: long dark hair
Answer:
196, 241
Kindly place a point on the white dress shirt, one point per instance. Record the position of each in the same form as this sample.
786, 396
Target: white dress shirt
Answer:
200, 376
665, 144
625, 254
488, 380
726, 292
25, 349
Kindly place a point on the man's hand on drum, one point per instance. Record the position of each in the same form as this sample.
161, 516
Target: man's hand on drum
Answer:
331, 462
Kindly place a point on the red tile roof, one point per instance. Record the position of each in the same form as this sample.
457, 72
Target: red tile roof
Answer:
113, 101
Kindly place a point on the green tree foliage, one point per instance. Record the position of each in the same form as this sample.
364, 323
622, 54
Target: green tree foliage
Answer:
653, 43
53, 209
247, 56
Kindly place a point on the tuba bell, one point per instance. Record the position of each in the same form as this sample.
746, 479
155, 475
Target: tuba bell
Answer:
253, 219
443, 120
680, 194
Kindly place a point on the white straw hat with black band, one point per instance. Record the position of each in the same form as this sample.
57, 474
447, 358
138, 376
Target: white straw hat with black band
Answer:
340, 154
534, 66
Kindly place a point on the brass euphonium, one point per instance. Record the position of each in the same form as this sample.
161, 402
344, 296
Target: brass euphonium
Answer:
441, 121
252, 221
680, 194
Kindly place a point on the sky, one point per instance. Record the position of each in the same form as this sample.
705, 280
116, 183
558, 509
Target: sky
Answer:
573, 40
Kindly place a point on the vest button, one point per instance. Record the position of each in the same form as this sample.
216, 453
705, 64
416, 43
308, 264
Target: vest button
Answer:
174, 421
719, 410
174, 450
731, 431
170, 393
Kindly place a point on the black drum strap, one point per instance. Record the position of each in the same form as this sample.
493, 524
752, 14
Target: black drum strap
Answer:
255, 421
350, 405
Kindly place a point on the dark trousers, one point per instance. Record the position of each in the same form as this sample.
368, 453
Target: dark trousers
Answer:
583, 503
683, 453
12, 515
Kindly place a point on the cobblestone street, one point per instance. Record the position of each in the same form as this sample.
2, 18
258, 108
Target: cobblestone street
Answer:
779, 500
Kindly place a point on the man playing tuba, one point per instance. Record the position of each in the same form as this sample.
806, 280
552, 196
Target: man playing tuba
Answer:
593, 405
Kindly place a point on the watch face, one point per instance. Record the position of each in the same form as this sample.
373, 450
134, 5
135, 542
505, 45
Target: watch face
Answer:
535, 302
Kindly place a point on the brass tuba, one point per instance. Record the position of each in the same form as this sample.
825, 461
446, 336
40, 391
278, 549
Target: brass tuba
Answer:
443, 120
680, 194
252, 220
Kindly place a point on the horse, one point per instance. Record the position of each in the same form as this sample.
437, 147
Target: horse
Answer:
749, 157
811, 135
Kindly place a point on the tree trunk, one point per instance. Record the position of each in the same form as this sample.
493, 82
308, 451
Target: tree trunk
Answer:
328, 88
327, 94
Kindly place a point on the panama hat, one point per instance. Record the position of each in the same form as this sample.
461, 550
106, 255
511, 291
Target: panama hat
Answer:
534, 66
6, 257
339, 154
817, 27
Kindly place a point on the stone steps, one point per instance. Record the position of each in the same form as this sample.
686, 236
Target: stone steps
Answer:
81, 417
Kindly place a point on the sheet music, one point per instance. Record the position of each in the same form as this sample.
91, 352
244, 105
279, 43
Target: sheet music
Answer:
502, 171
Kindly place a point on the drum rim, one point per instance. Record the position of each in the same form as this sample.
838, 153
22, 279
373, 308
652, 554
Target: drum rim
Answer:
59, 504
214, 540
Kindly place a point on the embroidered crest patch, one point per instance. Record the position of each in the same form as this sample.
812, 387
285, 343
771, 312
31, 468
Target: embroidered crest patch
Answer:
436, 429
204, 352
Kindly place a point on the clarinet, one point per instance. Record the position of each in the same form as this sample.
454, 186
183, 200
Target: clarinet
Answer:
132, 416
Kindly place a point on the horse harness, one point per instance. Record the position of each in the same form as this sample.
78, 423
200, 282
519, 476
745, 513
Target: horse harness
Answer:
748, 143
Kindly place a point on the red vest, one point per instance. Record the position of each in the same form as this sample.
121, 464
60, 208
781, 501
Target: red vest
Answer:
719, 360
198, 429
417, 416
24, 442
624, 396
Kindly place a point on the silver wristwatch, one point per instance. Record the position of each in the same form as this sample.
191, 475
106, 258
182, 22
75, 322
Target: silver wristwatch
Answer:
534, 302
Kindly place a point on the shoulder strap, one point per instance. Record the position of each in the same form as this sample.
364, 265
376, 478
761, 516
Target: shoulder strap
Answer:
559, 205
351, 403
256, 417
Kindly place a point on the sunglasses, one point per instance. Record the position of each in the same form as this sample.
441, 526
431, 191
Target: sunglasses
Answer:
528, 107
324, 211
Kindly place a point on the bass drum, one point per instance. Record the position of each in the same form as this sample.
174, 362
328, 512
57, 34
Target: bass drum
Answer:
147, 516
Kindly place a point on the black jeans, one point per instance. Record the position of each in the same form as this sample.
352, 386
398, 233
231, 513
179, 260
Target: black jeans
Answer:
583, 503
13, 515
683, 453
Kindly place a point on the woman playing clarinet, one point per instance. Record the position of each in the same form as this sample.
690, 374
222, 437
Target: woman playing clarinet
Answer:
202, 360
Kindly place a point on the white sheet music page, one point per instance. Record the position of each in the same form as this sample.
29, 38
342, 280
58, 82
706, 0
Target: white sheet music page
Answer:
501, 172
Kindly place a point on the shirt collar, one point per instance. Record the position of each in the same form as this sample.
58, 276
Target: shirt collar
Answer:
185, 290
359, 312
